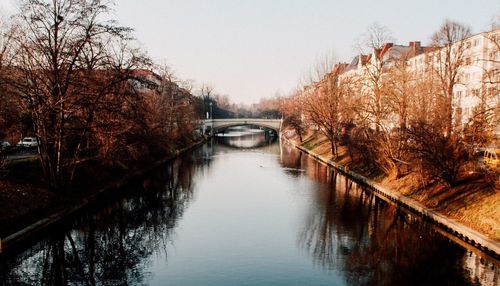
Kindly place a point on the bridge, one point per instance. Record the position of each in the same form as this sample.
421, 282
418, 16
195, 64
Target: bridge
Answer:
218, 124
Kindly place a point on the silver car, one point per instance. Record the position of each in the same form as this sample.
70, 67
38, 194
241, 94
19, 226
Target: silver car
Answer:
4, 145
28, 142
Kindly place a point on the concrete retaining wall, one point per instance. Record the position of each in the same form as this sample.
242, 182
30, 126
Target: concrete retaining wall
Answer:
449, 225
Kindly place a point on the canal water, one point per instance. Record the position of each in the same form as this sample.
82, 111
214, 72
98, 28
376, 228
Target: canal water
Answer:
246, 210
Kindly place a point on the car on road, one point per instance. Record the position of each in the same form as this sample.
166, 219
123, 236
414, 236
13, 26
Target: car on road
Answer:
491, 158
28, 142
4, 145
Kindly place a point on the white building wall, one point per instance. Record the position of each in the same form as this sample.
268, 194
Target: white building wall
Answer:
479, 51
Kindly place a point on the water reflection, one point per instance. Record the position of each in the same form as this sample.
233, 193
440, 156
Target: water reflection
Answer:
351, 231
264, 214
113, 245
246, 137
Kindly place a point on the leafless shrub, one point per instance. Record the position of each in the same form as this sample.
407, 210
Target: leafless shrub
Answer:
439, 156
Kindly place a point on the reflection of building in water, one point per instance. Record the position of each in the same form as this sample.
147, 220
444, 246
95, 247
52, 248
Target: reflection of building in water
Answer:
481, 270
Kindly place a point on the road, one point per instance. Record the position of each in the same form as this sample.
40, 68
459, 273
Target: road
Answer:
21, 154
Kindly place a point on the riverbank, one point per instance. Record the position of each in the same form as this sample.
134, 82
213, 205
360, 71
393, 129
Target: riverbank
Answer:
470, 211
22, 204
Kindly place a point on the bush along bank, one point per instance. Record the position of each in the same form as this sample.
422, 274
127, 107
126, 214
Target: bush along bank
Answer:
483, 236
23, 205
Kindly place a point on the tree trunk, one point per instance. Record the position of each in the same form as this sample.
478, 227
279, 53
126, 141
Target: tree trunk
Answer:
333, 146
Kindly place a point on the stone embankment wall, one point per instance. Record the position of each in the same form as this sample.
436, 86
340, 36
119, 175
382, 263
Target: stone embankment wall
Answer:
449, 225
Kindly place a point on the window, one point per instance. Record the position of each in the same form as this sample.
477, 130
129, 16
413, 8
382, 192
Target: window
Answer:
467, 61
466, 112
477, 42
467, 44
458, 112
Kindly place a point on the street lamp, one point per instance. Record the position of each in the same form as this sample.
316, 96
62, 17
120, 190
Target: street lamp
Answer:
211, 115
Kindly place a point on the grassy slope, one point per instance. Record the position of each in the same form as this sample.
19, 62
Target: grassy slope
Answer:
473, 203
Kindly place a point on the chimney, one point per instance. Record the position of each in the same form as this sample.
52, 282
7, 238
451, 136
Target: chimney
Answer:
415, 46
384, 49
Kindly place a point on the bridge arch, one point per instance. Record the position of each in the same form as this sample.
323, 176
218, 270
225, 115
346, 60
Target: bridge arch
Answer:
219, 124
222, 127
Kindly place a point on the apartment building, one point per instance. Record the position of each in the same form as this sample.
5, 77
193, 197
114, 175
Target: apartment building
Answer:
478, 77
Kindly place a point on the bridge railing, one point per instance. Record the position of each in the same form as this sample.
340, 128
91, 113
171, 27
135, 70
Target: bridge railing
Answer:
228, 122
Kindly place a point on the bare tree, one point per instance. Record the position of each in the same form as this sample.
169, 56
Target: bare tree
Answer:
187, 84
269, 107
9, 113
451, 42
168, 90
207, 92
375, 43
441, 157
327, 104
323, 64
293, 114
425, 103
222, 101
375, 37
7, 33
69, 60
400, 91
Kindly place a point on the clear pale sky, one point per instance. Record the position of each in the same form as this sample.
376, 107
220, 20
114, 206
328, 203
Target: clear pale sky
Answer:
249, 49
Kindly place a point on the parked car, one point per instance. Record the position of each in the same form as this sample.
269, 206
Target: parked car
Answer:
4, 145
491, 158
28, 142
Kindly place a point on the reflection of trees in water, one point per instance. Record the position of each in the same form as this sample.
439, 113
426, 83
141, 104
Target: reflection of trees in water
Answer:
112, 246
374, 243
291, 159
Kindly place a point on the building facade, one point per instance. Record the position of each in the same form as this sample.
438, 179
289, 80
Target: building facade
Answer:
476, 59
